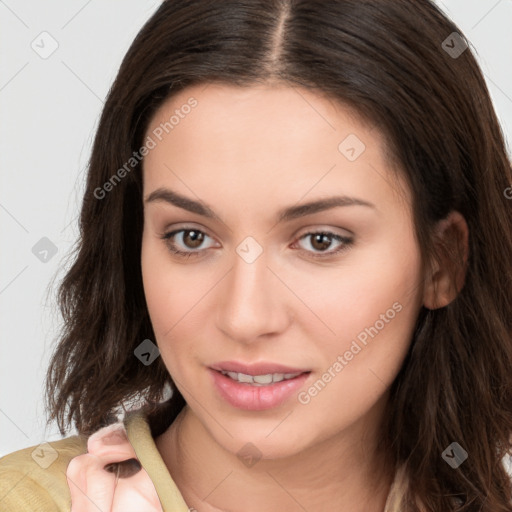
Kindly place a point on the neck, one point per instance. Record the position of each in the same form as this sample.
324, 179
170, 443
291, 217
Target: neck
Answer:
334, 474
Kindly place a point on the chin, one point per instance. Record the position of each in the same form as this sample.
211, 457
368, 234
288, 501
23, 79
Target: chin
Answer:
261, 442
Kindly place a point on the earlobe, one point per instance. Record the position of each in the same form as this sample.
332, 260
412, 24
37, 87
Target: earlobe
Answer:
446, 278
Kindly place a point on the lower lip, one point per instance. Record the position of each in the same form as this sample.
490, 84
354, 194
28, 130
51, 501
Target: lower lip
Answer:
256, 398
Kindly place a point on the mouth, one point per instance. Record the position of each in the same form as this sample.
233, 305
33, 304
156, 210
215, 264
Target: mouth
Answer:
257, 369
260, 380
258, 386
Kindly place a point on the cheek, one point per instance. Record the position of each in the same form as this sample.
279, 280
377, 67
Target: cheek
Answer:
355, 295
174, 301
162, 287
361, 363
370, 306
169, 288
156, 283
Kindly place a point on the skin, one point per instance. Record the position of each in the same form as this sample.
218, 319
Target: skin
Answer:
91, 488
247, 153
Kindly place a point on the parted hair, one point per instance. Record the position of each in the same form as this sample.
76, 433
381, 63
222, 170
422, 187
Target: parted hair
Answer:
400, 66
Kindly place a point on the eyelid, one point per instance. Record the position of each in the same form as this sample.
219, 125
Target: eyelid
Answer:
319, 228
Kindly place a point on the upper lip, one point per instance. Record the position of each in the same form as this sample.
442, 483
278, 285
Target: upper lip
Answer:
261, 368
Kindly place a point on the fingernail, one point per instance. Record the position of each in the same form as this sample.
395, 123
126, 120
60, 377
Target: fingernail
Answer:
125, 468
114, 437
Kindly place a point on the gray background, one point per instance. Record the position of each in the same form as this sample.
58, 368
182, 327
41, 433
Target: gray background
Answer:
50, 109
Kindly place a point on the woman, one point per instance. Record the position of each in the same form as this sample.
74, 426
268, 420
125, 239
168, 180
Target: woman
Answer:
293, 273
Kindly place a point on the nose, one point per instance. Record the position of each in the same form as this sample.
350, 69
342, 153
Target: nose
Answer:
252, 301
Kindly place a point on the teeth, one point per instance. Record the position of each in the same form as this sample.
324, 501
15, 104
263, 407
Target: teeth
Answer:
245, 378
263, 379
260, 380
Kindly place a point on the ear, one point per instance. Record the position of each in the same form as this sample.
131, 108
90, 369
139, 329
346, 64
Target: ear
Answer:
446, 278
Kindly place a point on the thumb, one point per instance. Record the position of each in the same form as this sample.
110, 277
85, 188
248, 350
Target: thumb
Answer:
91, 487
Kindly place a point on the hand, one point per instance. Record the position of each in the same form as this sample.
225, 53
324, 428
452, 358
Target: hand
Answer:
94, 488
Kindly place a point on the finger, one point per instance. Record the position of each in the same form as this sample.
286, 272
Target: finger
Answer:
90, 486
135, 494
111, 443
112, 435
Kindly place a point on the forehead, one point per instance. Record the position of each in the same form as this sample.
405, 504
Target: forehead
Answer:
278, 115
263, 140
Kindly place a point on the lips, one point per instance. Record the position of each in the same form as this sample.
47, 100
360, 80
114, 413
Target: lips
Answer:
251, 394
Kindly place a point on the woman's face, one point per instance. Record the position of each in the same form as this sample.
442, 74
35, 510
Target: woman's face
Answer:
269, 286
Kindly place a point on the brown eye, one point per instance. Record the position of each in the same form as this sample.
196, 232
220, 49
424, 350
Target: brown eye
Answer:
321, 241
192, 238
187, 242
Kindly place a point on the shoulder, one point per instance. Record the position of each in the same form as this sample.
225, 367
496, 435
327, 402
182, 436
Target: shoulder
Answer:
34, 479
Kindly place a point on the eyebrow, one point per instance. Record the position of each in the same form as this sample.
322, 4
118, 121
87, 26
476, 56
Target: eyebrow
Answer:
284, 215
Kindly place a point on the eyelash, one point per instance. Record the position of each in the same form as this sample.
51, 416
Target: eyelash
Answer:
346, 242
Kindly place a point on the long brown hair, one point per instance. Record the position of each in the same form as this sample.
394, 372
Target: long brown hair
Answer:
393, 61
